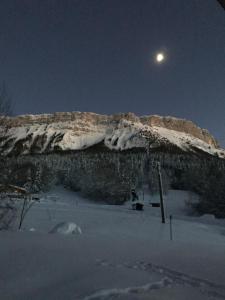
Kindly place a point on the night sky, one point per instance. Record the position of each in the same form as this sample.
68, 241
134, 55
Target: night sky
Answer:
98, 55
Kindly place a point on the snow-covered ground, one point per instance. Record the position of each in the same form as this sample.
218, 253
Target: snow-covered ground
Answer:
72, 248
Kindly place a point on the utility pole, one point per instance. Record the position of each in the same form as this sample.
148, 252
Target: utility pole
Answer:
159, 177
161, 193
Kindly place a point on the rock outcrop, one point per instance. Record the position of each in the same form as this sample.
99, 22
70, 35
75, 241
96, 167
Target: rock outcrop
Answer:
76, 131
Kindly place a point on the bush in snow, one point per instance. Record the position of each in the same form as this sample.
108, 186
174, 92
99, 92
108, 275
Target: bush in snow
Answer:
8, 212
212, 194
208, 183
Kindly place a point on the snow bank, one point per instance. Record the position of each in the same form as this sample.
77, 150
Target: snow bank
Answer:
66, 228
108, 294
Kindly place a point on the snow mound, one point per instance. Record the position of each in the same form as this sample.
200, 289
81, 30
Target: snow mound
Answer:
136, 290
66, 228
207, 217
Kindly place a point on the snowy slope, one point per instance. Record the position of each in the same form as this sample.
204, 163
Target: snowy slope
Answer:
121, 254
77, 131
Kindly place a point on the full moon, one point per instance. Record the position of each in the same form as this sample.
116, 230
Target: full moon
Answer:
160, 57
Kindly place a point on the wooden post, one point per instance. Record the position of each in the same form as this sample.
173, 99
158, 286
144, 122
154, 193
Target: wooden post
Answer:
171, 228
161, 193
22, 212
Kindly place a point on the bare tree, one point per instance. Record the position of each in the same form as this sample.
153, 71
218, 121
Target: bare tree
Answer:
8, 209
5, 101
15, 202
5, 110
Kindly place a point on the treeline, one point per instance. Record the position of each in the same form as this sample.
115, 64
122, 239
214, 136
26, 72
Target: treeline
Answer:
209, 184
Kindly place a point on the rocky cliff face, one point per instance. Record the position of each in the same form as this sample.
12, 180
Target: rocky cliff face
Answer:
101, 156
180, 125
76, 131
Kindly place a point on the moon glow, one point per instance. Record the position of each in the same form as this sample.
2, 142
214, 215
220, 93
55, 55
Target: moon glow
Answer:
160, 57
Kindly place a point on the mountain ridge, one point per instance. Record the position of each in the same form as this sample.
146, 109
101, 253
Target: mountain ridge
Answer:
27, 134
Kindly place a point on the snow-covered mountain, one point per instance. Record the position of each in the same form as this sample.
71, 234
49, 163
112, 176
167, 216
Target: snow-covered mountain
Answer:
49, 133
103, 156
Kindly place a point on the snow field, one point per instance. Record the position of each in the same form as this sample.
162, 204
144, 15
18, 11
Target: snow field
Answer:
121, 254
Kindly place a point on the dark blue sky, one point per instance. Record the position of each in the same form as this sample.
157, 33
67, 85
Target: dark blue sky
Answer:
98, 55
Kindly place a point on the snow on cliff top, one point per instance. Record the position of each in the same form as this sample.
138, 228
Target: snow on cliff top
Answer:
75, 131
